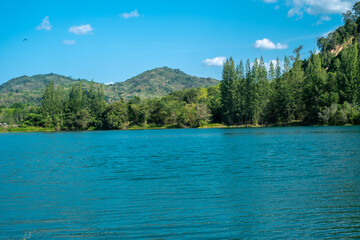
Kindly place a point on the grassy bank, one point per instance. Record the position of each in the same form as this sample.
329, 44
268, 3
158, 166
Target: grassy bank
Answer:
158, 127
150, 127
26, 129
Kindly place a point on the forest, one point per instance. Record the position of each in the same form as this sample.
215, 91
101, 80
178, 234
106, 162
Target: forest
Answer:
323, 89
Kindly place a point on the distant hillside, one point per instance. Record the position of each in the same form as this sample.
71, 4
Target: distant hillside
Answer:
153, 83
161, 81
29, 89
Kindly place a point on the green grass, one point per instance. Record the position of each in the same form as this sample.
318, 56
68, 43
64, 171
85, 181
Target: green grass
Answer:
212, 125
137, 127
153, 127
30, 129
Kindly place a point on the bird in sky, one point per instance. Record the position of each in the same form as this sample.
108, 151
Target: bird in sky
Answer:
25, 39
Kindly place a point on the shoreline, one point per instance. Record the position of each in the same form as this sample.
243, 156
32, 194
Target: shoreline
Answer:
132, 128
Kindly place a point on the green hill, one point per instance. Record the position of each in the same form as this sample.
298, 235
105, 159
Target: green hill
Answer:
153, 83
160, 82
27, 89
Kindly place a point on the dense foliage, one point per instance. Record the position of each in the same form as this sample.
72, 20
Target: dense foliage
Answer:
80, 109
306, 92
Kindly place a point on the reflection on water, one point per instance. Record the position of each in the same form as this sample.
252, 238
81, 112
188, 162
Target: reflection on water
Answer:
269, 183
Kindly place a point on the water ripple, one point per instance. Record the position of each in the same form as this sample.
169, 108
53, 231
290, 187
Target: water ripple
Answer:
268, 183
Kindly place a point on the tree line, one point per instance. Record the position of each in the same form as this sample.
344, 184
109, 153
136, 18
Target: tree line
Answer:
81, 109
323, 89
305, 92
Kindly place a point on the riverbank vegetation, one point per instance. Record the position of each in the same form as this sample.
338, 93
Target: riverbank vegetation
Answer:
323, 89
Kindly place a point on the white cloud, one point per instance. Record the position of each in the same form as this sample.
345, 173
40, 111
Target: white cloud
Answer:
69, 42
316, 7
45, 25
216, 61
323, 19
109, 83
81, 30
132, 14
269, 45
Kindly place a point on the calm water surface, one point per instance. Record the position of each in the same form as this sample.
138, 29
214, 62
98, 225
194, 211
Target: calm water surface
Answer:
270, 183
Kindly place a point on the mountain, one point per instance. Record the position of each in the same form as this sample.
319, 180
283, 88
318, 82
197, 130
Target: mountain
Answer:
153, 83
160, 82
26, 89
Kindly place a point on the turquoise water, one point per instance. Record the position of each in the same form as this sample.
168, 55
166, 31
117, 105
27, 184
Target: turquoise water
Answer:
268, 183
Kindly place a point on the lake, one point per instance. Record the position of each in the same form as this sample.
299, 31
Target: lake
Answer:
263, 183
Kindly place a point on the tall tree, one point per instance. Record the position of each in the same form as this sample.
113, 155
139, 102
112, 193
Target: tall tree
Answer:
52, 105
240, 96
349, 79
96, 102
77, 112
228, 91
263, 91
272, 72
295, 85
250, 94
314, 94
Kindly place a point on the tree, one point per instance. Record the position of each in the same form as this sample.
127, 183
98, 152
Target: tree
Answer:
249, 94
295, 87
314, 90
356, 9
280, 103
52, 105
77, 112
228, 91
134, 112
96, 104
116, 115
349, 79
272, 72
348, 16
240, 94
263, 92
48, 103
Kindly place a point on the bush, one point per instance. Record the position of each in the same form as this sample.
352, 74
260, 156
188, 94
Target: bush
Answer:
340, 114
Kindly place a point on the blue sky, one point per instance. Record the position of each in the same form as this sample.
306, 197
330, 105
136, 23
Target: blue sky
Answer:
111, 41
